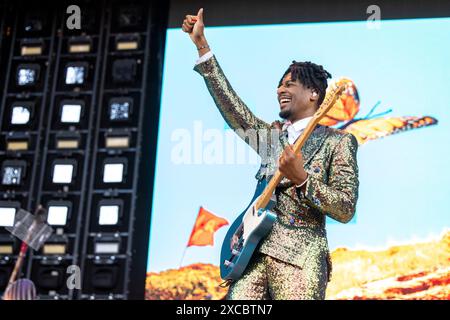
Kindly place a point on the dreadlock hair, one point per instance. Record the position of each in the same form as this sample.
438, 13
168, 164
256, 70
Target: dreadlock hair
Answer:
311, 75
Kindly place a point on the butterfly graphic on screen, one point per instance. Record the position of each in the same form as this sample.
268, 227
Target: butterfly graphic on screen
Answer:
369, 127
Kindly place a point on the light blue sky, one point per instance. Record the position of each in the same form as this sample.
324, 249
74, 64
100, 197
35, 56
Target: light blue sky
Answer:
404, 179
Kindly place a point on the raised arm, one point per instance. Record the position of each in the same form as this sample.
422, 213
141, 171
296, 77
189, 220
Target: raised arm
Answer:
233, 109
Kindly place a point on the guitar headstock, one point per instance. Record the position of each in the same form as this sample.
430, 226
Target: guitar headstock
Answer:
333, 93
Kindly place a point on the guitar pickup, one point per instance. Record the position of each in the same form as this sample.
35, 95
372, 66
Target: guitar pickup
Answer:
235, 252
272, 202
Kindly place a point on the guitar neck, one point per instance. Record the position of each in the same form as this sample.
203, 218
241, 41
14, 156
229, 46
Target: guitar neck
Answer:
329, 101
265, 196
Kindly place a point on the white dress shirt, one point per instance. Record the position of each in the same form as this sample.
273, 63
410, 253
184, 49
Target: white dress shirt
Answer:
295, 129
204, 57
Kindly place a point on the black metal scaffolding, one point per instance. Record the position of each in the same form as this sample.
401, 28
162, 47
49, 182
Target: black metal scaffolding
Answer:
85, 121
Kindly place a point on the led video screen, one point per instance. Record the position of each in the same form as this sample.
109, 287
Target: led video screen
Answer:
399, 235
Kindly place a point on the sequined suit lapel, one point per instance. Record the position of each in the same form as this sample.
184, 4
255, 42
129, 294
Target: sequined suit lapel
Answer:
313, 144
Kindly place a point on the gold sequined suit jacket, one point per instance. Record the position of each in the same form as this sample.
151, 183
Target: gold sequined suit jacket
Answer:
332, 187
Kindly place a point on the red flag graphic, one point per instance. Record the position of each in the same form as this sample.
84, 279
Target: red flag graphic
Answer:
205, 226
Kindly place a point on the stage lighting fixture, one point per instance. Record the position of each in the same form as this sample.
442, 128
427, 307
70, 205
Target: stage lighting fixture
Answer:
13, 172
50, 278
58, 212
6, 248
117, 139
127, 42
21, 112
109, 212
67, 144
27, 74
107, 244
114, 170
17, 145
130, 17
124, 70
20, 115
31, 47
76, 73
71, 111
54, 248
106, 248
104, 277
90, 19
33, 22
80, 45
7, 215
68, 141
63, 171
120, 109
17, 142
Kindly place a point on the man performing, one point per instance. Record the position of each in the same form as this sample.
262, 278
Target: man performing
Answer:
293, 261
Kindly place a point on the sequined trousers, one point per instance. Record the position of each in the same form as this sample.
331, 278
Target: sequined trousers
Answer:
269, 278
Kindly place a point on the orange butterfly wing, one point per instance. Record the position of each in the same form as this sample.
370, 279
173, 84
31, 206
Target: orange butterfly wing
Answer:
372, 129
345, 108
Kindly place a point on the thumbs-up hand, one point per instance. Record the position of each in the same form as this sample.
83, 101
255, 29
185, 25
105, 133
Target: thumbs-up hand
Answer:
193, 25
